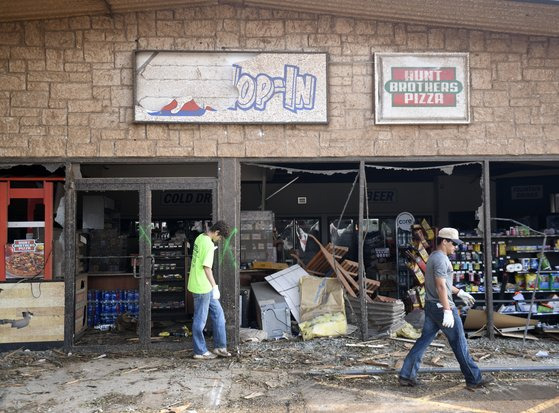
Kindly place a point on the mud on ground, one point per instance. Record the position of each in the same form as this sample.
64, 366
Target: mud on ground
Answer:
268, 376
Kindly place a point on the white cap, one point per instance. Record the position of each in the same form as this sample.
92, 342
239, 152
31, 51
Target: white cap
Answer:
451, 234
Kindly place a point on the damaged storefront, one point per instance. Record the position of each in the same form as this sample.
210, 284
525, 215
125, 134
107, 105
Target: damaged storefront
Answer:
334, 146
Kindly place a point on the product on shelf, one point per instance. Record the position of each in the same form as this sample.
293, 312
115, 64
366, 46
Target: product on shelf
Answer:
104, 306
168, 282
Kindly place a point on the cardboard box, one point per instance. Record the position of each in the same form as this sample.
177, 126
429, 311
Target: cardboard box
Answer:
81, 304
267, 265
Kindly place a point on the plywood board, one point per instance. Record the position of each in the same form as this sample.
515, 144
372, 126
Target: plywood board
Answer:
45, 300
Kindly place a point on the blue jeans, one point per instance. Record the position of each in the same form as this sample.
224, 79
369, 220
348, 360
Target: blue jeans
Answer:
204, 303
456, 338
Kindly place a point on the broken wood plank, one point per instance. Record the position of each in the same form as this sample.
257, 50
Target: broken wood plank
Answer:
353, 376
253, 395
376, 363
365, 345
407, 340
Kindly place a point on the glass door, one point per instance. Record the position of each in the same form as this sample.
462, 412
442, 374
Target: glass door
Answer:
109, 267
178, 215
133, 241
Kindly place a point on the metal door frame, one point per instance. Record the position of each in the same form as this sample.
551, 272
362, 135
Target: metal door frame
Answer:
144, 187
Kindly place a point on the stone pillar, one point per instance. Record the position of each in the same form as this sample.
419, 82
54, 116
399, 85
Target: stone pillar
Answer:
229, 210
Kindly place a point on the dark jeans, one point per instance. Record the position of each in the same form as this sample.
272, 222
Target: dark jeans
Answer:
456, 338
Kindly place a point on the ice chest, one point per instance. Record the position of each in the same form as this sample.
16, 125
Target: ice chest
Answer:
272, 312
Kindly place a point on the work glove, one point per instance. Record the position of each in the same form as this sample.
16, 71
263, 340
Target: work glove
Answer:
467, 298
448, 319
216, 295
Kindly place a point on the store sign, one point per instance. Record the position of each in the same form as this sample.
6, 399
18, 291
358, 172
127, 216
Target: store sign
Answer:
404, 221
25, 258
421, 88
526, 192
230, 87
183, 198
382, 195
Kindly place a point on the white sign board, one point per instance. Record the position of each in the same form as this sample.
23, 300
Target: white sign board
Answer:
404, 221
230, 87
422, 88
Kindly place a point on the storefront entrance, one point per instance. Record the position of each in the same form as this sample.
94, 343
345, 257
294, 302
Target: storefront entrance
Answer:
133, 240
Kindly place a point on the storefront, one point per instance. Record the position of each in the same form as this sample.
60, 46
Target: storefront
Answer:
130, 173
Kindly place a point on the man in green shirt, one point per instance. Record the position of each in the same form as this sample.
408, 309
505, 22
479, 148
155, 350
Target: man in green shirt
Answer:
202, 285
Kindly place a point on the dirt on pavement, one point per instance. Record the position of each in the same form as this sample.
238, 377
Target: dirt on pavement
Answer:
285, 375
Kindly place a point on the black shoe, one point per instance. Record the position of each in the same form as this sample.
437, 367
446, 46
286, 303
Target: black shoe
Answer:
485, 380
408, 382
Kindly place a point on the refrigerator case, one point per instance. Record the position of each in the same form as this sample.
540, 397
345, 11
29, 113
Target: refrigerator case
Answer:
272, 313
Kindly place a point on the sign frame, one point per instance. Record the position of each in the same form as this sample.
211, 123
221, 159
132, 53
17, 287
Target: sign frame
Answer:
430, 108
293, 111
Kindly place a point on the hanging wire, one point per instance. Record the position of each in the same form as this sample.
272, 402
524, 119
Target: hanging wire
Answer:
336, 264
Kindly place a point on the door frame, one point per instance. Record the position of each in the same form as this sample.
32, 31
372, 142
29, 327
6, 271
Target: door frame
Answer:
144, 187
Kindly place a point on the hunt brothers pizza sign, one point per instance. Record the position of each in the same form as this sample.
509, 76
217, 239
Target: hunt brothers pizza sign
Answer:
421, 88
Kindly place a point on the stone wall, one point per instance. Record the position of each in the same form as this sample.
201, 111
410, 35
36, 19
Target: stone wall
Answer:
66, 87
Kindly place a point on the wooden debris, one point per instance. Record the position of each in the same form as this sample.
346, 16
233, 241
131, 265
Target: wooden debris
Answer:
135, 369
399, 363
176, 409
407, 340
434, 362
353, 376
326, 262
376, 363
253, 395
364, 345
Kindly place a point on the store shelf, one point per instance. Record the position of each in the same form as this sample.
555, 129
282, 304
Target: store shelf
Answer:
169, 271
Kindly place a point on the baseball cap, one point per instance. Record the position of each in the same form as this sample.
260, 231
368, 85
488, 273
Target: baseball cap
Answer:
451, 234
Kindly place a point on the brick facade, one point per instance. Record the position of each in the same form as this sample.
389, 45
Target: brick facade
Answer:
66, 87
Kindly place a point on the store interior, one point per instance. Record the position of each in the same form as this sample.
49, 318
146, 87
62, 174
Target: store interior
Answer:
292, 204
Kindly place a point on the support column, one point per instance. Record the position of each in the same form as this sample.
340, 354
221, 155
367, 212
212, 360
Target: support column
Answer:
362, 287
487, 250
69, 256
229, 210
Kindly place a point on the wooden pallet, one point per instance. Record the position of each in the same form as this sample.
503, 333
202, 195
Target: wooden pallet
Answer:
325, 263
319, 264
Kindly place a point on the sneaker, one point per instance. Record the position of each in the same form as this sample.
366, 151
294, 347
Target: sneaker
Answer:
206, 356
221, 352
485, 380
408, 382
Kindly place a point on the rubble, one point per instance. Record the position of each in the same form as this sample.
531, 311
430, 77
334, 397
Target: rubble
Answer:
264, 374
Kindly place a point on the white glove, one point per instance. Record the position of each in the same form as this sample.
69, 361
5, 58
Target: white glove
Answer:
448, 319
216, 295
467, 298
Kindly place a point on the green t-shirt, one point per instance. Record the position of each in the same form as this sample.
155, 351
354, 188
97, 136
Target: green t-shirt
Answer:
202, 256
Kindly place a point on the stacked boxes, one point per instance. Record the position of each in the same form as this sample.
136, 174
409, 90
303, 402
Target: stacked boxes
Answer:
257, 243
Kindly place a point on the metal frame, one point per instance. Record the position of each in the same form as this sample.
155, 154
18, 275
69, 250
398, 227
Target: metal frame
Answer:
222, 181
44, 194
144, 187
